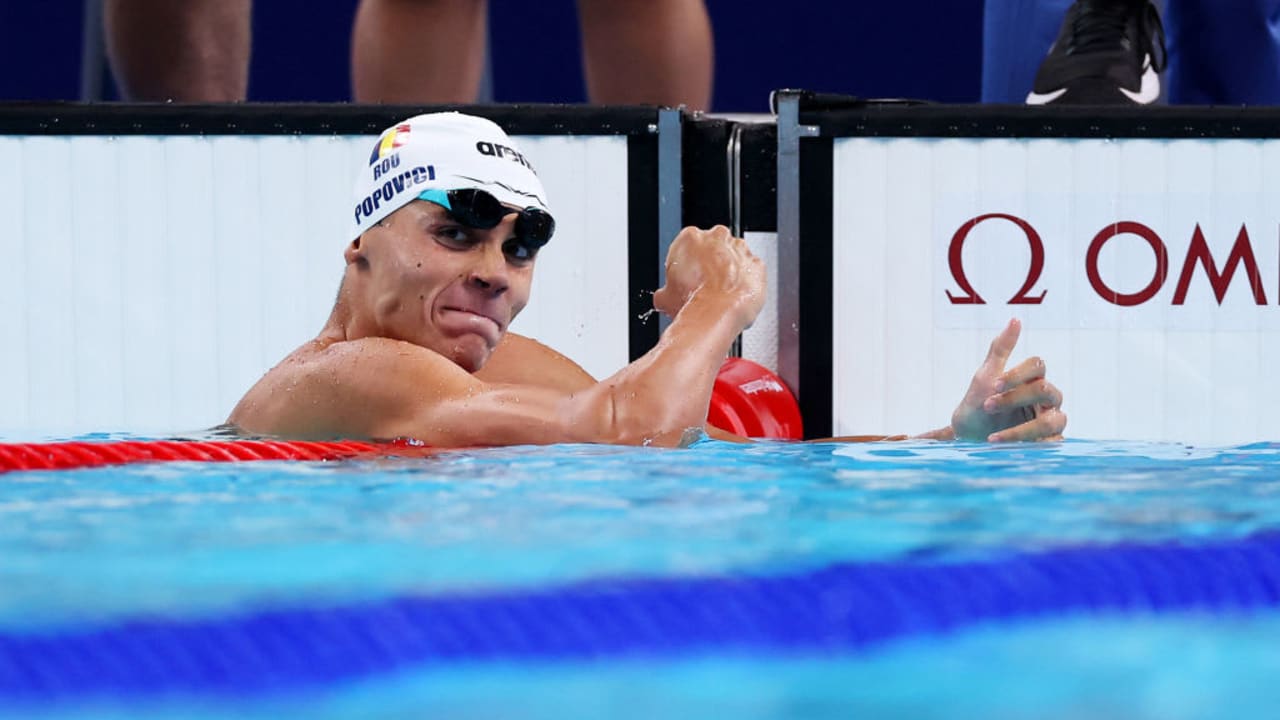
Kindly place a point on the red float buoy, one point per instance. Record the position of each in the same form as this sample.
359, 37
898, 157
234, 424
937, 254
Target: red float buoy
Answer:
750, 400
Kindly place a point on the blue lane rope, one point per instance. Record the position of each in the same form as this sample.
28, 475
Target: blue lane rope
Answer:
839, 608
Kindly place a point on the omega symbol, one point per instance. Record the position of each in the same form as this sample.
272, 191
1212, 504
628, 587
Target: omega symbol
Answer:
955, 260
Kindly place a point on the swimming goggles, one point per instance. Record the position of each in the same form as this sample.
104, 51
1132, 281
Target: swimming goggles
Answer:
478, 209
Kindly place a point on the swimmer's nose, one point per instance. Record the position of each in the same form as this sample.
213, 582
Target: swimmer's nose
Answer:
490, 271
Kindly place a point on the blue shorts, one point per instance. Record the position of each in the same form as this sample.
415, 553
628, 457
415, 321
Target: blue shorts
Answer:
1221, 52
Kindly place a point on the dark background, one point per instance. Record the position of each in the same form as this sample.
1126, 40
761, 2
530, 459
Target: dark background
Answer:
928, 50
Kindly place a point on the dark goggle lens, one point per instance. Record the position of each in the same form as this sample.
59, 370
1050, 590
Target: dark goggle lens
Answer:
476, 208
535, 227
479, 209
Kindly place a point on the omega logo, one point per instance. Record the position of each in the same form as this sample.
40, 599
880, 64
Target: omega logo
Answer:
1198, 255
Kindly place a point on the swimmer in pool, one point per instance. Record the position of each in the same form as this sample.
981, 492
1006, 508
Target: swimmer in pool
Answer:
447, 224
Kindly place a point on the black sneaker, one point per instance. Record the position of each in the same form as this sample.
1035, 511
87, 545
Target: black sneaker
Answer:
1108, 52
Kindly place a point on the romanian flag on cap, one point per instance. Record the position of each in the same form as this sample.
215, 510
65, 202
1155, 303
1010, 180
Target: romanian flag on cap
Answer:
390, 140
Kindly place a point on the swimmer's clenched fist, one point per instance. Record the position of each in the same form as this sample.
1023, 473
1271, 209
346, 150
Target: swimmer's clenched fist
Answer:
712, 262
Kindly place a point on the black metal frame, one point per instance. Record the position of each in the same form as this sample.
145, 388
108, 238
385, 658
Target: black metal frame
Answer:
1017, 121
305, 119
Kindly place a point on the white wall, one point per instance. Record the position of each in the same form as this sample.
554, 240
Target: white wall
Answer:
1199, 372
149, 281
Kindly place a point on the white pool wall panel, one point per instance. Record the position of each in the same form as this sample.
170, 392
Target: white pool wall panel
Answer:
1199, 371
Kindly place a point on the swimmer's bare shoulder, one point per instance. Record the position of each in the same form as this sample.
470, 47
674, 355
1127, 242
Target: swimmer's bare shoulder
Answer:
379, 388
347, 388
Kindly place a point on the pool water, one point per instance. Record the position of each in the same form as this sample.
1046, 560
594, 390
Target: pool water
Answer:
184, 545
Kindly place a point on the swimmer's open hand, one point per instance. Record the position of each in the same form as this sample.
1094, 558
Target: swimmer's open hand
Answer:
1018, 404
712, 262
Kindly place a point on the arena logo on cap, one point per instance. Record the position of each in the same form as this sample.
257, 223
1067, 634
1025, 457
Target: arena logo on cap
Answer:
393, 186
390, 140
499, 150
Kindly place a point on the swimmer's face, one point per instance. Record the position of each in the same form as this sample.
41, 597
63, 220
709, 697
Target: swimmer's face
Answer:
436, 283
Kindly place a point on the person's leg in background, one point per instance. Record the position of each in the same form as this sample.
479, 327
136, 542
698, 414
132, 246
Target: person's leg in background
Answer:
1016, 35
418, 51
635, 51
647, 51
186, 51
1224, 52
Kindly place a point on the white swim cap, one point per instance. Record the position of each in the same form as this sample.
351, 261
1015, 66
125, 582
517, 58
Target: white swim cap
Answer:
446, 151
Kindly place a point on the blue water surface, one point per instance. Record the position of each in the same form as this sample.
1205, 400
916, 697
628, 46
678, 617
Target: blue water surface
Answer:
190, 541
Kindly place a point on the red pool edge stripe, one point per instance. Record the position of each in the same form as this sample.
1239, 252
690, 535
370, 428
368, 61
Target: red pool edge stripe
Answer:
72, 455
